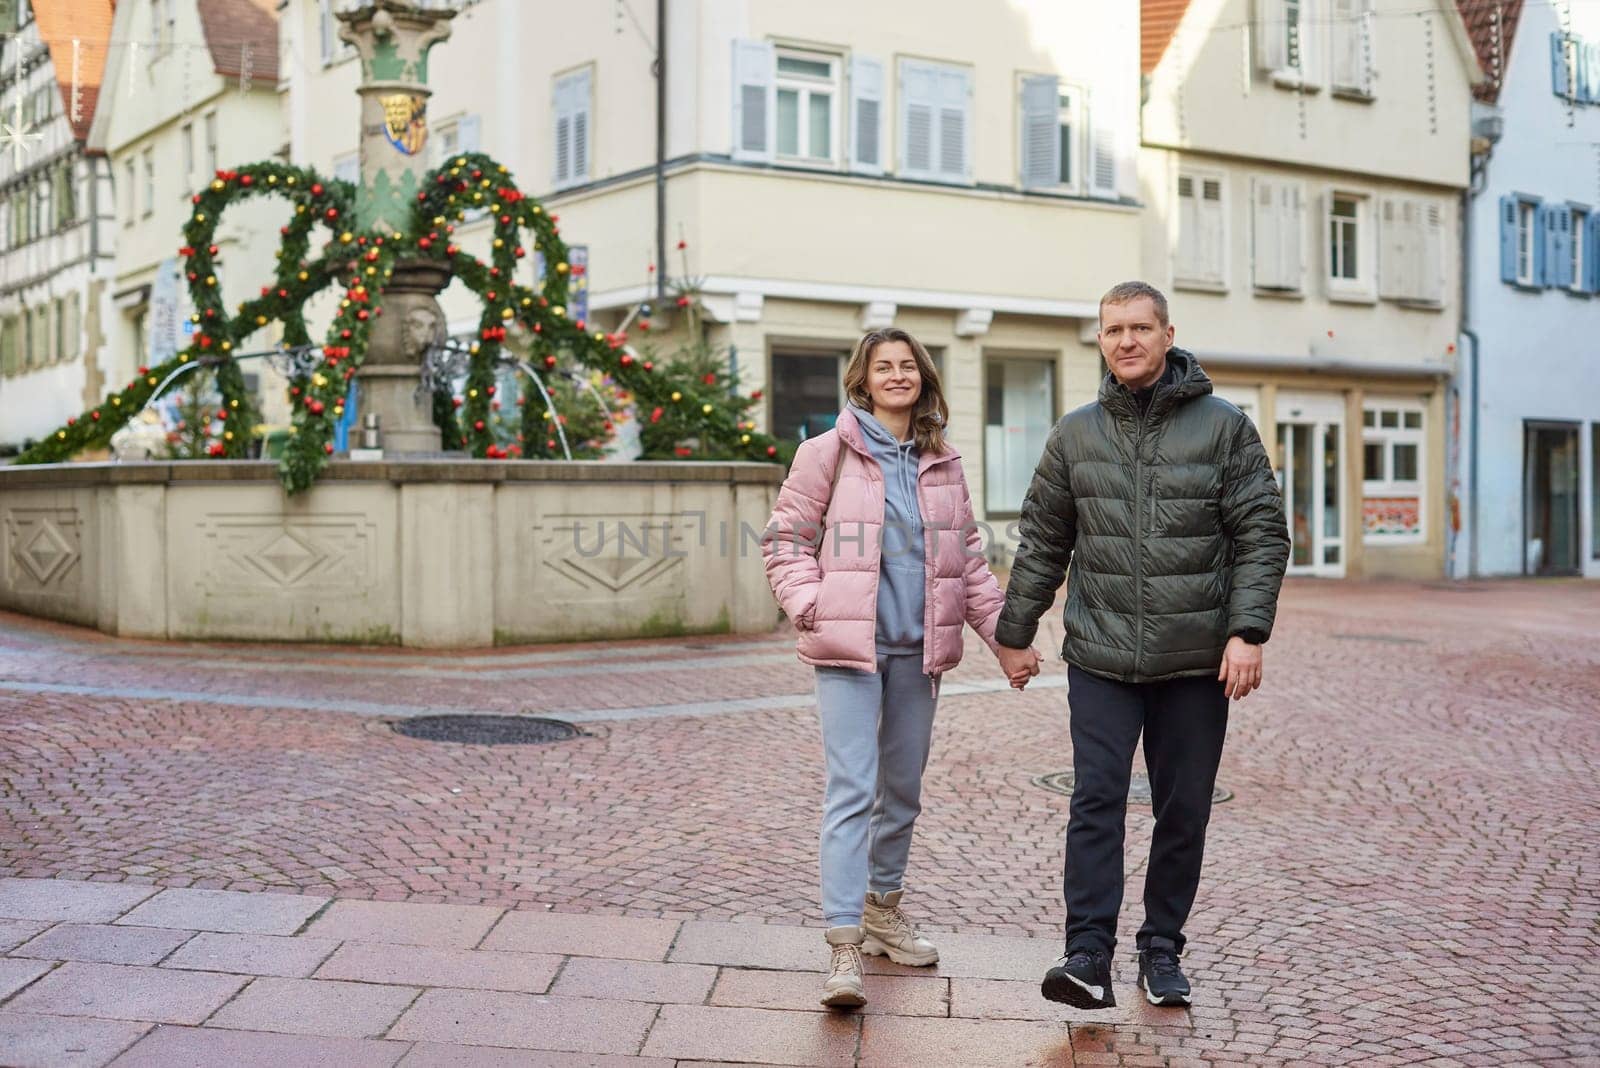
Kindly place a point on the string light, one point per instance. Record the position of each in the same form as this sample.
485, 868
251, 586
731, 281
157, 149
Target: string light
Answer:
76, 108
1433, 81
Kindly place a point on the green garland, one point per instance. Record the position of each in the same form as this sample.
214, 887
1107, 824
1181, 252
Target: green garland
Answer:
705, 410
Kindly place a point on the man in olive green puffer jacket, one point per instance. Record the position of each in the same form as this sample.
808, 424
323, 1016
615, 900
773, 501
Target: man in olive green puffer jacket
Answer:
1160, 497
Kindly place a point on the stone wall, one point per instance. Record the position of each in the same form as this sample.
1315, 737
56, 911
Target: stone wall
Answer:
425, 554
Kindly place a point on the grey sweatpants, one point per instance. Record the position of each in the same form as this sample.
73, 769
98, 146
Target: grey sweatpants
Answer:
876, 730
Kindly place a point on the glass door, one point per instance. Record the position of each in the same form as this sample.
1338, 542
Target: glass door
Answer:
1551, 500
1310, 464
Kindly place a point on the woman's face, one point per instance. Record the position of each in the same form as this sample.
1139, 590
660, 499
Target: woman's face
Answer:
893, 381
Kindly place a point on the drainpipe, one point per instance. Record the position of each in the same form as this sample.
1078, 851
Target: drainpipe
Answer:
661, 150
1486, 129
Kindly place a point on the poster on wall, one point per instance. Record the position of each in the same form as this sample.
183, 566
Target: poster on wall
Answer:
164, 315
1391, 515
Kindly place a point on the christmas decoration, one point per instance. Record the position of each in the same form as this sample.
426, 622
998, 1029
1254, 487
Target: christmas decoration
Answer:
705, 418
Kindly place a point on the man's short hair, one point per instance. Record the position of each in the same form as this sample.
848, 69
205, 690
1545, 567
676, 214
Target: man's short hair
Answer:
1127, 292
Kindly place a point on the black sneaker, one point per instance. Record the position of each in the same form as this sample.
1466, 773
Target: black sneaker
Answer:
1081, 979
1160, 977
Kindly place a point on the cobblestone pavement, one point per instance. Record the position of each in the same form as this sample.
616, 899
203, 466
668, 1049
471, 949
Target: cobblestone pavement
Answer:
1407, 871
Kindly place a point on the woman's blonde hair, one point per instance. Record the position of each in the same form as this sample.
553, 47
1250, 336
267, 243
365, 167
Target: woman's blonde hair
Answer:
929, 417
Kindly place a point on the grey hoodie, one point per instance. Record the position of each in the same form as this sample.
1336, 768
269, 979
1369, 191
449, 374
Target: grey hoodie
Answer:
902, 580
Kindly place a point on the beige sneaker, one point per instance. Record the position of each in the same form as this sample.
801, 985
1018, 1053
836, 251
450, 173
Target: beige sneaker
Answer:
845, 988
889, 933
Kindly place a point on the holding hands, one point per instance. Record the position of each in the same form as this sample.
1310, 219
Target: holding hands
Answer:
1020, 665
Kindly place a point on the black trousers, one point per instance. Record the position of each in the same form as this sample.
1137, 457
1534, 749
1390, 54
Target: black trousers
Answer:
1183, 721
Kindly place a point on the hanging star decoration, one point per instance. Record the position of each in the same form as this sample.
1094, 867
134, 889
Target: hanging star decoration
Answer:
17, 135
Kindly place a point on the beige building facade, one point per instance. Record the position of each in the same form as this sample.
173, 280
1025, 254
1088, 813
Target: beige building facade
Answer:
1303, 165
829, 167
191, 88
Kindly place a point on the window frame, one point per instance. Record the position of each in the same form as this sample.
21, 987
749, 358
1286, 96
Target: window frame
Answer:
1527, 212
1198, 177
805, 86
148, 158
1387, 486
130, 198
1580, 255
1363, 288
186, 132
213, 150
988, 358
1303, 76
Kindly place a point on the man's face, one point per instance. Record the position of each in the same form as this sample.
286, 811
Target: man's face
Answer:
1134, 342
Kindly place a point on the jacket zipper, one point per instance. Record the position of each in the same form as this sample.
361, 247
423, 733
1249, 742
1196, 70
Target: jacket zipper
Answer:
1138, 543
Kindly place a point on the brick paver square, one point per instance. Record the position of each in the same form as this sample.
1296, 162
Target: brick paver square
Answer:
121, 992
526, 1021
211, 1047
61, 901
1006, 999
629, 937
700, 1032
244, 954
893, 995
374, 962
432, 1055
627, 980
751, 945
450, 926
104, 943
890, 1042
30, 1041
15, 932
226, 910
16, 974
316, 1007
983, 956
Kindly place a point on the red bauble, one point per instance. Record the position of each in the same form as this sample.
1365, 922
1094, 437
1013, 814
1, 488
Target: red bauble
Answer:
328, 448
316, 189
549, 361
478, 425
246, 180
456, 401
772, 450
95, 415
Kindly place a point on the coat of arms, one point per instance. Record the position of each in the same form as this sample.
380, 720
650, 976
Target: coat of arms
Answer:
405, 121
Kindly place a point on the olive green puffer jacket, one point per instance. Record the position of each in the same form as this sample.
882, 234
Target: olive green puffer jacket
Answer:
1172, 522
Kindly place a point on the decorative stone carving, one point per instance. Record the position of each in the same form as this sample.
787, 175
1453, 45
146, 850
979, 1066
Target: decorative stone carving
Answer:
43, 547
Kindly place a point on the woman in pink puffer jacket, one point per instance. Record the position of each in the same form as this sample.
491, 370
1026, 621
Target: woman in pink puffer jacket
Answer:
874, 553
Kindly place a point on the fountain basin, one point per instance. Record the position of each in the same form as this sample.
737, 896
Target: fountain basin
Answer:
421, 553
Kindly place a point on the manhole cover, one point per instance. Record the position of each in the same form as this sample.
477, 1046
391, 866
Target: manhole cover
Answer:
487, 730
1061, 782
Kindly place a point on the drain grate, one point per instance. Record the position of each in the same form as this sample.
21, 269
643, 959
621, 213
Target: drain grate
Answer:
487, 730
1061, 782
1386, 639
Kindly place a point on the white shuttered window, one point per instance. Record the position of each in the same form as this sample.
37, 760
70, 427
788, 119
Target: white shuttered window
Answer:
1202, 230
754, 99
1411, 250
866, 115
935, 121
1277, 234
1352, 26
573, 128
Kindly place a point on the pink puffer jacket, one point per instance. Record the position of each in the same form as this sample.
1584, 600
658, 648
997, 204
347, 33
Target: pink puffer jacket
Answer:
822, 557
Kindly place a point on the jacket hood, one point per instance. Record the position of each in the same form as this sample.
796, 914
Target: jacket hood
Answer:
1190, 382
872, 429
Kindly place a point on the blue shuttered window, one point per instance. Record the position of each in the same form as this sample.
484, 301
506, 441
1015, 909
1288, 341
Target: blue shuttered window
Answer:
1508, 239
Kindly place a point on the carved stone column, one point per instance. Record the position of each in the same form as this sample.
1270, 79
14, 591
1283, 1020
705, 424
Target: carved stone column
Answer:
393, 38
